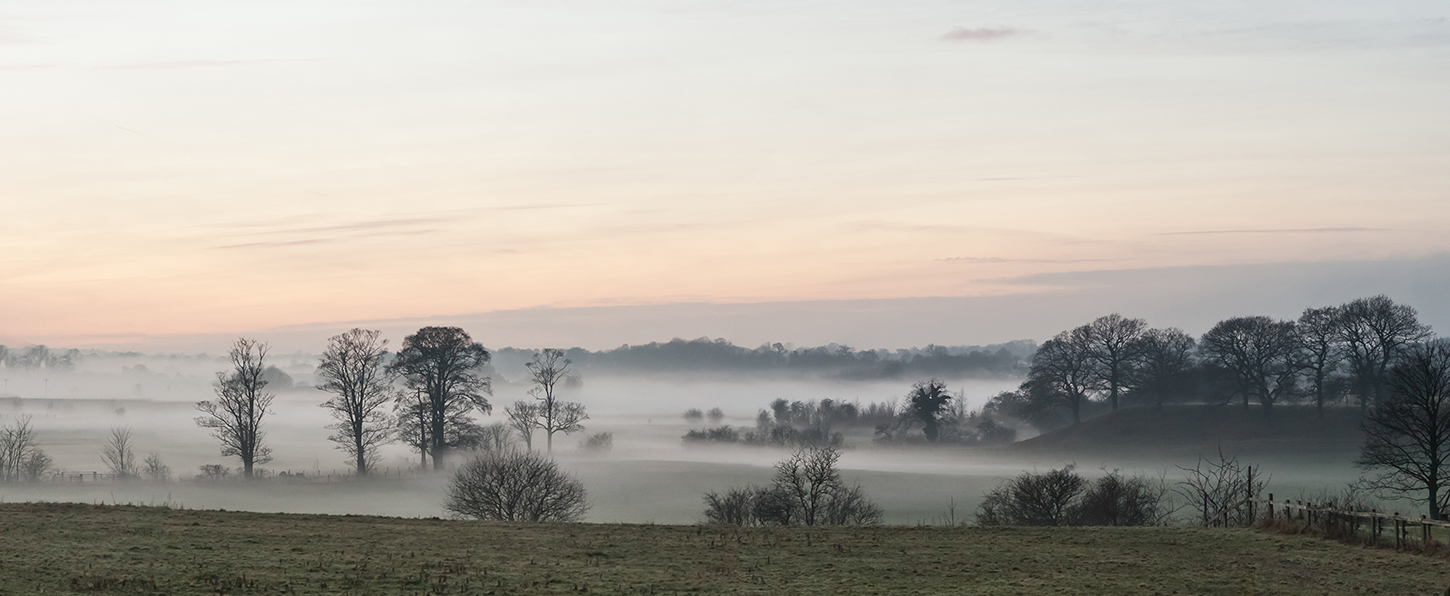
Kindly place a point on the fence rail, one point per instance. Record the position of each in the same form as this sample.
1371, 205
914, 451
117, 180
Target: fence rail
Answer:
1353, 523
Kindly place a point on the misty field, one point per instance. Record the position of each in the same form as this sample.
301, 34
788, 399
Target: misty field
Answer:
65, 548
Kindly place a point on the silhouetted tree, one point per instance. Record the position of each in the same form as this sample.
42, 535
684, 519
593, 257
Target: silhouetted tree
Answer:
925, 402
352, 370
547, 370
1033, 499
20, 453
516, 486
1262, 354
1114, 341
807, 491
1064, 370
1408, 436
1318, 330
523, 416
1373, 332
235, 418
119, 455
444, 365
1165, 366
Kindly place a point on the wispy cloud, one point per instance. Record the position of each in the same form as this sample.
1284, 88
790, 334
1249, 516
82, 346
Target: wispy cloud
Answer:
964, 34
201, 63
1276, 231
988, 260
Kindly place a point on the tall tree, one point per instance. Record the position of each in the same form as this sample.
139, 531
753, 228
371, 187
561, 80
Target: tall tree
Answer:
1318, 330
1262, 354
119, 455
1065, 370
235, 417
352, 371
1408, 436
1166, 366
1374, 332
1113, 341
925, 403
553, 415
444, 366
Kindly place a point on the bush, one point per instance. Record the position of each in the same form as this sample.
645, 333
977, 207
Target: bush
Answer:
516, 486
694, 415
807, 491
597, 443
1063, 498
723, 434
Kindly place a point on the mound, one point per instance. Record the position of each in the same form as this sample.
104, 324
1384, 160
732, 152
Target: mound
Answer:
1198, 428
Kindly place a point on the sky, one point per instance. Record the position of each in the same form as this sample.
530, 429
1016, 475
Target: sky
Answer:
885, 174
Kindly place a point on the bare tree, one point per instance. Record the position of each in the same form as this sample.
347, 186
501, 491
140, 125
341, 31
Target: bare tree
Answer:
1113, 341
352, 370
1262, 353
155, 470
1408, 436
516, 486
548, 369
496, 437
1032, 499
1373, 332
235, 418
444, 365
1166, 365
1221, 491
119, 455
715, 415
523, 416
807, 490
20, 451
1318, 330
1064, 370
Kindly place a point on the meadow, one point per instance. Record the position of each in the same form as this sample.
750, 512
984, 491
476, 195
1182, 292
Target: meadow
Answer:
87, 549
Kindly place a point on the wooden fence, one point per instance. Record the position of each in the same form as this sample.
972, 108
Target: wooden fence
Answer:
1370, 526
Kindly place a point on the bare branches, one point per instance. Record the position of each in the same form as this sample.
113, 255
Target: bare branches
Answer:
1220, 491
352, 370
807, 491
119, 455
1113, 341
553, 415
242, 401
1408, 436
523, 416
1261, 352
20, 455
516, 486
442, 367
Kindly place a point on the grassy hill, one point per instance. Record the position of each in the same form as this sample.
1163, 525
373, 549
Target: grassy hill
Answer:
66, 549
1189, 429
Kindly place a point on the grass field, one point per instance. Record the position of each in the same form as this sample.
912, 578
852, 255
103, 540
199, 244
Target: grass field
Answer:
65, 548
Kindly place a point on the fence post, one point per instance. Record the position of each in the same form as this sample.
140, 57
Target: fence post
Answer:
1424, 533
1271, 506
1397, 530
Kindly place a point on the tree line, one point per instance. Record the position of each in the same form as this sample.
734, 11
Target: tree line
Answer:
1328, 355
423, 395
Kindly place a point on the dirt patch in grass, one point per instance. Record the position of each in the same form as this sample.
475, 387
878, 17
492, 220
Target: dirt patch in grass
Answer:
63, 548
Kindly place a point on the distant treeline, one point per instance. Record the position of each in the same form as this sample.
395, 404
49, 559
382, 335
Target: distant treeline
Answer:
718, 355
1329, 355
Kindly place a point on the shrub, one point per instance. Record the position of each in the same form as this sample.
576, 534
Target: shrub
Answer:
694, 415
516, 486
723, 434
807, 491
597, 443
1063, 498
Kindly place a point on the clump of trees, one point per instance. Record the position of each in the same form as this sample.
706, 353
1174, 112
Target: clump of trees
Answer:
1062, 497
807, 491
516, 485
944, 418
21, 457
1331, 354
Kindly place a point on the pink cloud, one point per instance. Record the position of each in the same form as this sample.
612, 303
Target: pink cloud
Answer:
963, 34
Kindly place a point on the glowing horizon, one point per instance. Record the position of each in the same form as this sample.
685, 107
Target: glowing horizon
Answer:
174, 169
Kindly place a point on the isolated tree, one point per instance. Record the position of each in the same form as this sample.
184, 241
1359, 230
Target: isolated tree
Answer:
1318, 330
715, 415
1262, 354
516, 486
1408, 436
1114, 341
445, 366
1373, 332
548, 369
925, 402
120, 455
807, 491
1065, 371
352, 371
694, 416
1165, 366
523, 416
156, 470
235, 417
